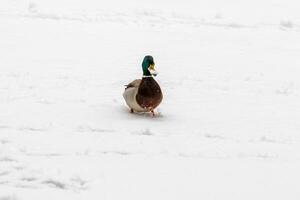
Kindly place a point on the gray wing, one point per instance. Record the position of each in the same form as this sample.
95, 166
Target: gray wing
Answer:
134, 83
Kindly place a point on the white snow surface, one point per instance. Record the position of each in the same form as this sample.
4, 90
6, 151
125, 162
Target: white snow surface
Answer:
228, 127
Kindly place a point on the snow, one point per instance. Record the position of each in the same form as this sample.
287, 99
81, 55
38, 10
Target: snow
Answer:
228, 126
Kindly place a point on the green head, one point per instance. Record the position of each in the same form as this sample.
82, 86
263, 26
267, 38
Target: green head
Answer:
148, 66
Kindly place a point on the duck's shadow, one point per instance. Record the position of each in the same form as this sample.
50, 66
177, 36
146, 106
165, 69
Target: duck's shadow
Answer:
145, 115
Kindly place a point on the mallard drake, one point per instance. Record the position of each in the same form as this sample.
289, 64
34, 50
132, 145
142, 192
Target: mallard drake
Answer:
144, 95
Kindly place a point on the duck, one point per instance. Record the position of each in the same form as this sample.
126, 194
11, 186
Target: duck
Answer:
144, 95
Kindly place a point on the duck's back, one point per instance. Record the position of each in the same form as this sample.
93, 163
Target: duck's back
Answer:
136, 83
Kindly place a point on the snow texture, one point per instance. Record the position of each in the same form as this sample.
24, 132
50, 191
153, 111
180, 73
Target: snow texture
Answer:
228, 127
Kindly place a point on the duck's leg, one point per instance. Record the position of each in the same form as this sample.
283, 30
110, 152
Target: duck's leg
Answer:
153, 113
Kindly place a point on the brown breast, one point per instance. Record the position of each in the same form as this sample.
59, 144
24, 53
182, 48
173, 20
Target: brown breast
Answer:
149, 94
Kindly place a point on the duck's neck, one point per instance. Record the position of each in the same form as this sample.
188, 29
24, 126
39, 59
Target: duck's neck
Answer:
147, 76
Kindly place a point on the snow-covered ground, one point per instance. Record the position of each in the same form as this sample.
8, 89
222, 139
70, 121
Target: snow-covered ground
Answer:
229, 124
